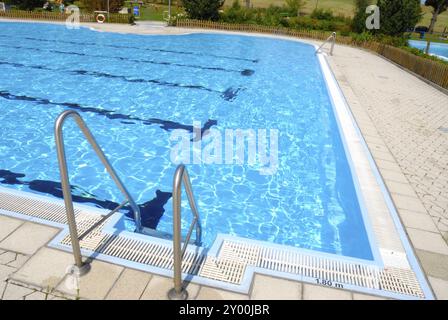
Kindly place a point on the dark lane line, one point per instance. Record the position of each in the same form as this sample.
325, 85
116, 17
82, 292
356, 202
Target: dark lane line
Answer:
229, 94
163, 124
245, 72
135, 48
151, 211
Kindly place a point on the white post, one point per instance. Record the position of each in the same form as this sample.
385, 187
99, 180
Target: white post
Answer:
169, 11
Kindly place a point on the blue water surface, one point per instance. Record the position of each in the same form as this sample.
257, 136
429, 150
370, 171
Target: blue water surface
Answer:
133, 90
438, 49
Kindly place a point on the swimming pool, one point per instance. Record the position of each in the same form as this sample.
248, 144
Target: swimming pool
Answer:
438, 49
133, 91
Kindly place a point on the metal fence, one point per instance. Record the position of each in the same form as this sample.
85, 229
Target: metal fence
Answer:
434, 71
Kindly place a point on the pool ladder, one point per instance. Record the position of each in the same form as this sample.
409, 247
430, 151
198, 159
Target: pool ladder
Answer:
180, 177
332, 40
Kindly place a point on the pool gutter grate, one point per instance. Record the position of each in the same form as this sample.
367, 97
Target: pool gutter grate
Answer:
233, 258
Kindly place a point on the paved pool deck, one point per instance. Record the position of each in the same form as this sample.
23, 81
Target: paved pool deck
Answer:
405, 124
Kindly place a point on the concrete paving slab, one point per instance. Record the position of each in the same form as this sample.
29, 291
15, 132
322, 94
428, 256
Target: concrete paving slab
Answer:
311, 292
5, 271
416, 220
269, 288
440, 288
45, 269
434, 264
8, 225
130, 285
28, 238
37, 296
19, 261
14, 292
207, 293
361, 296
428, 241
95, 285
7, 257
158, 287
408, 203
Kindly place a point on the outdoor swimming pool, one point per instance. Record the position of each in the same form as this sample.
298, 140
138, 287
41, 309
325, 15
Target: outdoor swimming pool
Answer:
439, 49
134, 90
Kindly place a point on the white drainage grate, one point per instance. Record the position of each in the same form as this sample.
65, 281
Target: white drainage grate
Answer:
33, 208
233, 259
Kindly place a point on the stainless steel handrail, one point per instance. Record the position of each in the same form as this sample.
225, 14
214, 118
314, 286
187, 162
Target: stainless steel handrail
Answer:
331, 38
81, 268
181, 175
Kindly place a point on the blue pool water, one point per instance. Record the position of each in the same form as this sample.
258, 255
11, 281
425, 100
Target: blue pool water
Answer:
134, 90
439, 49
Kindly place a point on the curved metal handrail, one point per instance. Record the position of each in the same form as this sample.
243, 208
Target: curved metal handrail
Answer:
65, 182
181, 176
331, 38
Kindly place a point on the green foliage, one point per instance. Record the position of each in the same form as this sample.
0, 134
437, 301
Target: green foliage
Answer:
321, 14
280, 16
237, 14
93, 5
362, 37
398, 16
27, 4
359, 20
422, 54
203, 9
294, 7
438, 5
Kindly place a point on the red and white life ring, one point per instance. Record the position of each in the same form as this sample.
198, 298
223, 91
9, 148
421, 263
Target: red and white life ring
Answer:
100, 18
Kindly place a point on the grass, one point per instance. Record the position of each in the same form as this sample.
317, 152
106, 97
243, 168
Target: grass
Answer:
442, 20
346, 7
154, 12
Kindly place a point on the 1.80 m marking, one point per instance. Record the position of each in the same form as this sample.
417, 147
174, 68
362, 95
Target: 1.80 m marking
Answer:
329, 283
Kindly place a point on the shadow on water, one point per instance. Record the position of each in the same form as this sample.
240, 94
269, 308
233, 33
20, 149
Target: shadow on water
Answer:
164, 124
151, 211
229, 94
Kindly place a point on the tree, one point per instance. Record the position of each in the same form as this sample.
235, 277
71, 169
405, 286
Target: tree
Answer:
398, 16
295, 6
203, 9
28, 4
438, 6
359, 20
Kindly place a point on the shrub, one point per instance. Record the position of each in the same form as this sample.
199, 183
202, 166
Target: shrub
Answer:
321, 14
28, 4
359, 38
203, 9
359, 20
237, 14
398, 16
294, 7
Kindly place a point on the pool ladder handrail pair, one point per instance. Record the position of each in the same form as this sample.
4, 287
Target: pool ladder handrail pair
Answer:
180, 177
331, 39
80, 267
